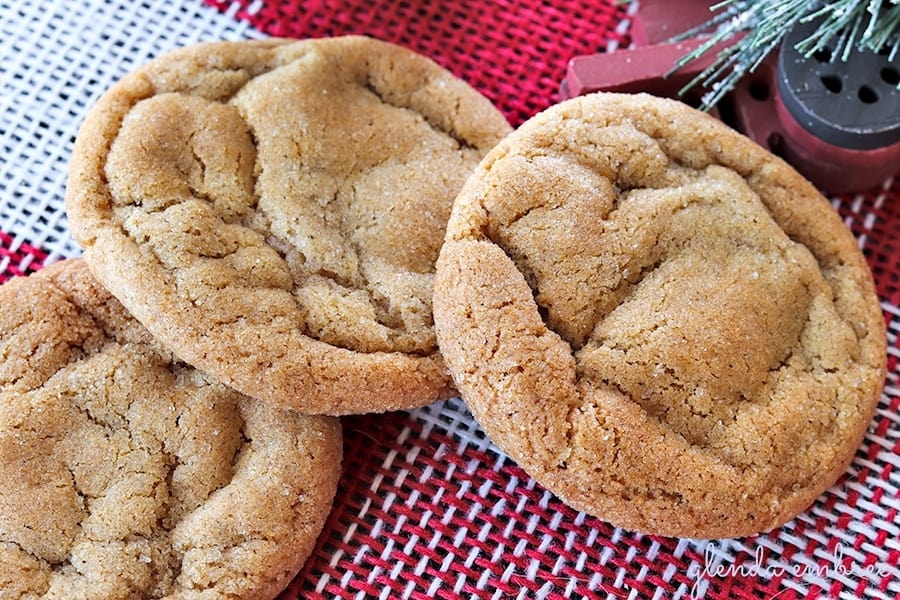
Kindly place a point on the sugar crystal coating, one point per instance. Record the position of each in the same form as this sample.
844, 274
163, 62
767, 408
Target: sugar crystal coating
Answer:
128, 474
660, 321
272, 211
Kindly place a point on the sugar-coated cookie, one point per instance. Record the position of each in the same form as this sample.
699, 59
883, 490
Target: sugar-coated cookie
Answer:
128, 474
659, 320
272, 210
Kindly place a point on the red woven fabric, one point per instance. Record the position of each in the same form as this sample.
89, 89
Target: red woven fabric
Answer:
20, 260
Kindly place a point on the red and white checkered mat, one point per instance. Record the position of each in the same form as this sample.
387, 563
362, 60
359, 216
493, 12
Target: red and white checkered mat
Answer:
427, 506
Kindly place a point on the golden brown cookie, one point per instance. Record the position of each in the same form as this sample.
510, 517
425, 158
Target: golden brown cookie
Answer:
128, 474
660, 321
272, 210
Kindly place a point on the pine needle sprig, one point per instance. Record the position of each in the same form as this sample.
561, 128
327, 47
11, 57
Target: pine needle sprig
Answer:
759, 26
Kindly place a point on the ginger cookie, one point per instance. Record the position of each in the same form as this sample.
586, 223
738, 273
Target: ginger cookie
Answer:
272, 211
660, 321
128, 474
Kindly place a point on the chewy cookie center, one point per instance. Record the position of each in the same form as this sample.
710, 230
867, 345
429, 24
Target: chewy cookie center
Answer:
315, 190
687, 298
111, 474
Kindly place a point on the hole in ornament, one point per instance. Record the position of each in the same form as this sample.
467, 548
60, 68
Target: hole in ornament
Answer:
867, 95
832, 83
759, 90
726, 111
890, 75
823, 55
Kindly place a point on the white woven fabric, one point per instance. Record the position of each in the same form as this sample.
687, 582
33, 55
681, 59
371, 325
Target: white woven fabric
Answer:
56, 58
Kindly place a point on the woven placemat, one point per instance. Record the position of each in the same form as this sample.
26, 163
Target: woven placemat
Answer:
427, 507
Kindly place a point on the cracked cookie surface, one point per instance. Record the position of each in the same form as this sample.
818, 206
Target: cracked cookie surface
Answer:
272, 210
661, 322
128, 474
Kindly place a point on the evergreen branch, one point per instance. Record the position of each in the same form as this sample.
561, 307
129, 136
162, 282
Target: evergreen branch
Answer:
757, 27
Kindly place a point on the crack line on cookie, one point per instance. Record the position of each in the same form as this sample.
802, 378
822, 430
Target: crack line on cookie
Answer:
626, 286
462, 143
